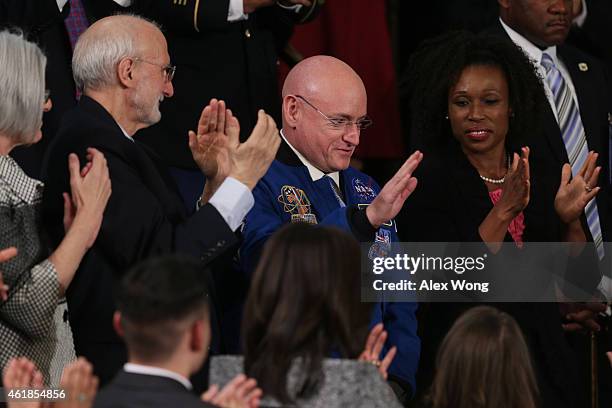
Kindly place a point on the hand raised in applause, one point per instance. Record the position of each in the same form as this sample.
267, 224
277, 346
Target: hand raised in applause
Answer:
374, 345
394, 193
20, 373
516, 188
5, 255
209, 146
575, 192
250, 160
90, 189
240, 392
80, 385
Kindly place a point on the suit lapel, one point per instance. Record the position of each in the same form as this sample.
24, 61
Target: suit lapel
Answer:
141, 160
586, 100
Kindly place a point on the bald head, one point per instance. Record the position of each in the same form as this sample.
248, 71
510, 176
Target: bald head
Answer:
319, 93
322, 75
105, 43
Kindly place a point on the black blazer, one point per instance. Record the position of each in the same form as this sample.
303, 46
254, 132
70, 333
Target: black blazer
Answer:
43, 23
448, 205
129, 390
548, 153
144, 217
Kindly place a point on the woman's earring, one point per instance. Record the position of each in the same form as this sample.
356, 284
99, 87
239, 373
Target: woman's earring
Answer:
446, 117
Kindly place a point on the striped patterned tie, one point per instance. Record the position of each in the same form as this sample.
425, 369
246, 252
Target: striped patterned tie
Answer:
574, 139
76, 23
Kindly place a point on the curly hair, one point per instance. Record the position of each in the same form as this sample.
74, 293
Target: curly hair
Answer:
436, 66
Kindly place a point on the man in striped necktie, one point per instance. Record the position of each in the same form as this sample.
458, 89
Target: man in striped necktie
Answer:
575, 122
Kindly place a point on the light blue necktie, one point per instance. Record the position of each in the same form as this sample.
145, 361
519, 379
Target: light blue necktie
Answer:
336, 190
574, 139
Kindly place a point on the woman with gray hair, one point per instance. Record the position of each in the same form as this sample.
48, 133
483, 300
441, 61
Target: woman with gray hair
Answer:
33, 314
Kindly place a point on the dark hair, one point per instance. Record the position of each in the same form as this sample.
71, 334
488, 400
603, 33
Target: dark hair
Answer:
304, 303
158, 299
437, 65
484, 362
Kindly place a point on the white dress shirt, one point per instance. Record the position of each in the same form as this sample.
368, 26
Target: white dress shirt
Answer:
315, 173
158, 372
535, 54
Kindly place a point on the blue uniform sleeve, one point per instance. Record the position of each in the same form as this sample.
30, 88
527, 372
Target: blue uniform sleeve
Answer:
399, 320
260, 223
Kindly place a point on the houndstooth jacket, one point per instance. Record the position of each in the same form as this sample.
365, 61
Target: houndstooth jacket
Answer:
34, 320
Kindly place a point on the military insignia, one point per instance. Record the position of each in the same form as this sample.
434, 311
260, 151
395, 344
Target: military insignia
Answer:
296, 203
583, 66
364, 191
382, 244
306, 218
383, 236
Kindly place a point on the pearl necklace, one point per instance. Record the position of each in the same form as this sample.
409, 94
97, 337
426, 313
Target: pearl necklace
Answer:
497, 181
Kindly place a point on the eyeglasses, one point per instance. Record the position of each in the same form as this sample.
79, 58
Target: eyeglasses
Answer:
169, 70
338, 122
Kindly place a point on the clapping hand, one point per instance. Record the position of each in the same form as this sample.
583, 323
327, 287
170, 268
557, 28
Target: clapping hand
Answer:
250, 160
575, 192
217, 150
241, 392
516, 190
90, 189
5, 255
22, 373
394, 193
80, 385
374, 345
209, 145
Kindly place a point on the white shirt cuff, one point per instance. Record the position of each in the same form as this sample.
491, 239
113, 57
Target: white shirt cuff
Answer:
124, 3
61, 4
236, 11
581, 18
233, 200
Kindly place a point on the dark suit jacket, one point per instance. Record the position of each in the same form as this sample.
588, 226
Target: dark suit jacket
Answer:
236, 62
448, 206
129, 390
144, 218
594, 36
548, 153
43, 23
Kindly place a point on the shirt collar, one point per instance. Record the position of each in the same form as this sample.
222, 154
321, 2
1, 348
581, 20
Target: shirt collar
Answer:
315, 173
156, 371
529, 48
26, 188
125, 133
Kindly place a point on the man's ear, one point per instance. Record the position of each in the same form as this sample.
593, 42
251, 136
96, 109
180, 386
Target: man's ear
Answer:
504, 3
197, 335
117, 323
125, 72
291, 112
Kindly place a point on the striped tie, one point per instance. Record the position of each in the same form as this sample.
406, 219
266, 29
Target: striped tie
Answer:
76, 23
336, 190
574, 139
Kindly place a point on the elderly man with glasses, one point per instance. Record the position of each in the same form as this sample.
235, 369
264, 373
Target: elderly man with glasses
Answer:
122, 65
311, 180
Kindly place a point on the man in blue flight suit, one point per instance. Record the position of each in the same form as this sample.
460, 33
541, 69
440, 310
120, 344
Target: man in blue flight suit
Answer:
324, 111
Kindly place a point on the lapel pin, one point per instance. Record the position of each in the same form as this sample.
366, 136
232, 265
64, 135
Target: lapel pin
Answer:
583, 67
